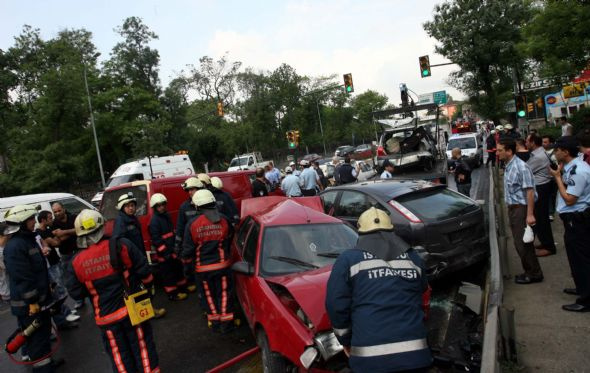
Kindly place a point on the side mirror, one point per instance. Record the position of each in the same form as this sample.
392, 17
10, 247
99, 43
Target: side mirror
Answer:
243, 268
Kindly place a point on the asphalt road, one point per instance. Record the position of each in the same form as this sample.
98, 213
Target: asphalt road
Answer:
185, 343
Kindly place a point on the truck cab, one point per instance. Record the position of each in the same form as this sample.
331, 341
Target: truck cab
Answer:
248, 161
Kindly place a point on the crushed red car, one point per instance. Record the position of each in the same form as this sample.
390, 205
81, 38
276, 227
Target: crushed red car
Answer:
284, 250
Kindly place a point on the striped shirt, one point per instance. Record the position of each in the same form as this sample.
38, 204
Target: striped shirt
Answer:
518, 177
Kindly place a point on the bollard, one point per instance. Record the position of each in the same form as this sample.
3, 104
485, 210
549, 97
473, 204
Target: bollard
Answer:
508, 333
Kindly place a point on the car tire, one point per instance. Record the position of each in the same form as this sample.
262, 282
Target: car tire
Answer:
272, 362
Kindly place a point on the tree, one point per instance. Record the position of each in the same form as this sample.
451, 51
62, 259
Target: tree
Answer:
481, 36
558, 38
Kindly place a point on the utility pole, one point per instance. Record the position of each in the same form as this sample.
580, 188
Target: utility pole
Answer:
94, 127
317, 102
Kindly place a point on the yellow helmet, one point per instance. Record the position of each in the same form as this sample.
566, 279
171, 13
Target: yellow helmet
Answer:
204, 178
17, 215
192, 182
373, 220
157, 198
125, 199
216, 182
88, 221
203, 197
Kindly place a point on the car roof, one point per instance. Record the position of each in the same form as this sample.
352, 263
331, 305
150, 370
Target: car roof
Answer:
389, 189
277, 210
32, 198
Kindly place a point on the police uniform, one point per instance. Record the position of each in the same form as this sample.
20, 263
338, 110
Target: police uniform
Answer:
576, 221
374, 301
346, 173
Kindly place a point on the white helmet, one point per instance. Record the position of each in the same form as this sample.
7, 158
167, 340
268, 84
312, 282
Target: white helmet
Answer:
304, 162
288, 170
204, 178
157, 198
203, 197
492, 132
192, 182
88, 221
508, 126
292, 163
216, 182
499, 128
373, 220
17, 215
125, 199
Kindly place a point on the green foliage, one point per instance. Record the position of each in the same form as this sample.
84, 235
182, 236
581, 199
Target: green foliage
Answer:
581, 120
554, 132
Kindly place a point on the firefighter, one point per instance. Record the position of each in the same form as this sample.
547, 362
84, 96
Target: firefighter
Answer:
187, 210
127, 226
207, 242
225, 203
374, 298
161, 232
106, 270
30, 293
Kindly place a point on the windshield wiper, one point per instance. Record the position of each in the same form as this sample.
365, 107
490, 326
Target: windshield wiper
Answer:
294, 261
329, 254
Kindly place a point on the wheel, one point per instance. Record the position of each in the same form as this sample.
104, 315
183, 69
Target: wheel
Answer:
272, 362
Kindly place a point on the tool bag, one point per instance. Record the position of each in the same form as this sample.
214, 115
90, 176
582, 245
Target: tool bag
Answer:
138, 304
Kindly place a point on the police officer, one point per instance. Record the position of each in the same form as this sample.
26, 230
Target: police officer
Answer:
161, 231
187, 210
106, 270
374, 298
573, 206
225, 202
30, 293
207, 242
346, 173
127, 226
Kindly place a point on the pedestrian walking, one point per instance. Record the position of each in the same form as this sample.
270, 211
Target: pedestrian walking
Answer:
573, 207
462, 172
207, 243
520, 195
491, 148
374, 300
108, 271
260, 187
539, 163
309, 180
290, 184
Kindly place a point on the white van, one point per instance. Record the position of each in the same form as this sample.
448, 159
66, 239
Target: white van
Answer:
470, 145
43, 201
148, 168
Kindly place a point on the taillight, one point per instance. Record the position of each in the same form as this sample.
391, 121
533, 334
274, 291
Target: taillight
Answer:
404, 211
380, 151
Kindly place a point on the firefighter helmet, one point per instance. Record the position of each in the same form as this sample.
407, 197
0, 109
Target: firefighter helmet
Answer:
88, 221
373, 220
508, 126
500, 128
125, 199
157, 198
216, 182
20, 213
204, 178
192, 183
203, 197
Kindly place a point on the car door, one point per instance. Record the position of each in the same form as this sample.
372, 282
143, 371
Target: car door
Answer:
247, 250
352, 204
329, 201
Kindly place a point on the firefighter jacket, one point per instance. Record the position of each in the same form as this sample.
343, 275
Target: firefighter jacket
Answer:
128, 227
226, 205
186, 212
91, 273
375, 307
162, 234
207, 241
27, 273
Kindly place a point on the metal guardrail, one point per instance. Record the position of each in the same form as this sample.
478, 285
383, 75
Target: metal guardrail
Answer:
490, 353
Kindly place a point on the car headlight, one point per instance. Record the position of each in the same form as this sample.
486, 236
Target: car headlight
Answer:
327, 344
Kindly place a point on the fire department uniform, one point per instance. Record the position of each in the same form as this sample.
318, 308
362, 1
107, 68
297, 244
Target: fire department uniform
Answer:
128, 227
207, 242
226, 205
91, 272
186, 212
161, 232
374, 301
29, 287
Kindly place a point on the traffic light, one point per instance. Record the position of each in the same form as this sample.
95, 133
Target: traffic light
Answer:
220, 109
424, 66
348, 87
521, 106
291, 140
296, 136
530, 107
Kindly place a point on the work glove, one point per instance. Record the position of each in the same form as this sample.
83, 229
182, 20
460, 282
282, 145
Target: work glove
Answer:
34, 308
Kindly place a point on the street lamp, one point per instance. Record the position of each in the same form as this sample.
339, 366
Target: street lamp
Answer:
92, 123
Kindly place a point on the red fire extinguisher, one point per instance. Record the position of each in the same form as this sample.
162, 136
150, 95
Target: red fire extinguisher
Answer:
19, 337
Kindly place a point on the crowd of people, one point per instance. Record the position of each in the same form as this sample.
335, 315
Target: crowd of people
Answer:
48, 255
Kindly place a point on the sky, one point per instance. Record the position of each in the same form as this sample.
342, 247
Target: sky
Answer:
377, 41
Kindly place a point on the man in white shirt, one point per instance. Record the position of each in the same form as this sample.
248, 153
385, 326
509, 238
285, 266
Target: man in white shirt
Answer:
290, 184
387, 170
566, 128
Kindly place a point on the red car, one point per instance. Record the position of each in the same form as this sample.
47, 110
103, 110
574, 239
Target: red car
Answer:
283, 251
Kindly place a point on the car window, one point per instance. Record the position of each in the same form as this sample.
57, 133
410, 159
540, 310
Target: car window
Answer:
108, 207
118, 180
462, 143
251, 244
242, 234
72, 205
437, 204
353, 204
328, 200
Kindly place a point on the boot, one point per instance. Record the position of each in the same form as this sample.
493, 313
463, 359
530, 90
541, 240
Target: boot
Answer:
177, 296
191, 288
159, 313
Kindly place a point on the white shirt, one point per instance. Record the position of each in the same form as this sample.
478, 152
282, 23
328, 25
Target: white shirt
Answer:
565, 128
386, 175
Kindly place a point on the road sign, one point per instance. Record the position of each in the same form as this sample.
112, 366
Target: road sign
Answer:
426, 98
440, 97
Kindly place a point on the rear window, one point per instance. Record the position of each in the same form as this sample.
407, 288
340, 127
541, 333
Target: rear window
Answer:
437, 204
462, 143
118, 180
110, 198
